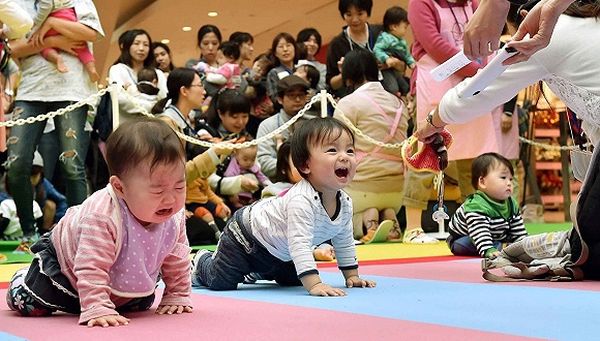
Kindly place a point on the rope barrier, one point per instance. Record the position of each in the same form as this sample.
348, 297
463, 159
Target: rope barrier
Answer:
94, 98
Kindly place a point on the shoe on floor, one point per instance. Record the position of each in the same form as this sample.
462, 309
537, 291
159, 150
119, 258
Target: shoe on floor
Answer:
195, 262
418, 236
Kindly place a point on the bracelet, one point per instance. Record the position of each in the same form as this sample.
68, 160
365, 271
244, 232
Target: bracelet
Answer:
429, 120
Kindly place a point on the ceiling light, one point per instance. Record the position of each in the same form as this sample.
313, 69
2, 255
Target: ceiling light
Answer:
165, 41
186, 28
212, 14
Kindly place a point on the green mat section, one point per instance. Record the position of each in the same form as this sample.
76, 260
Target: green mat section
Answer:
7, 247
537, 228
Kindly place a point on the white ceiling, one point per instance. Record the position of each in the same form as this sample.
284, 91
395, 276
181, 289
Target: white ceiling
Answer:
164, 19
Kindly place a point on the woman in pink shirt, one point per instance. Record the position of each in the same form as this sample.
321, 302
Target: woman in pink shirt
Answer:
438, 27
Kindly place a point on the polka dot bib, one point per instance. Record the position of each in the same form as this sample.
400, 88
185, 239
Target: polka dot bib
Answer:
144, 249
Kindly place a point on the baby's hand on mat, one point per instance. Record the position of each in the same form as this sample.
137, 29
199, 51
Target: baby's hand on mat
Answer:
356, 281
108, 320
323, 289
173, 309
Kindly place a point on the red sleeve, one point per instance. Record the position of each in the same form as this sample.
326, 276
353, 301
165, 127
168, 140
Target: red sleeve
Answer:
425, 22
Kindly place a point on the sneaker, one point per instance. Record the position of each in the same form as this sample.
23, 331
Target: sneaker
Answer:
196, 261
251, 278
418, 236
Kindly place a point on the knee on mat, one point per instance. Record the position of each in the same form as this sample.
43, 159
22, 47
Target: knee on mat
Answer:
19, 300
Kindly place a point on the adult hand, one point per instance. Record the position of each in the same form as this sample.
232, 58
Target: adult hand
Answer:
482, 33
506, 123
322, 289
355, 281
426, 132
173, 309
394, 63
64, 44
538, 24
340, 63
224, 212
249, 185
108, 320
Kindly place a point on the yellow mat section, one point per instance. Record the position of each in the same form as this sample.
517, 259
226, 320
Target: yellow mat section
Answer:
385, 251
7, 270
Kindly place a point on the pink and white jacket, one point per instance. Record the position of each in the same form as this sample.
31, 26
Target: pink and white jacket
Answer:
88, 240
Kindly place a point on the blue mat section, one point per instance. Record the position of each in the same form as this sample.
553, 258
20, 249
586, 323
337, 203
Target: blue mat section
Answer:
8, 337
515, 310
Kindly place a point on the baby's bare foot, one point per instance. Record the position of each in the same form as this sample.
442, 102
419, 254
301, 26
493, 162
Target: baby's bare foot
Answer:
61, 66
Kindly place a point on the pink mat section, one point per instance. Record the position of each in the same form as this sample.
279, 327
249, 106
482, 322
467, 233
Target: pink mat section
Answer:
466, 271
222, 318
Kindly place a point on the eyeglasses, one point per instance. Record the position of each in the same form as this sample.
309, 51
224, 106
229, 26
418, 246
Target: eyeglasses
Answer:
296, 96
198, 85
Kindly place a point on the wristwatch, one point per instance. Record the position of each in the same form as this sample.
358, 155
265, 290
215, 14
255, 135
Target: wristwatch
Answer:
429, 120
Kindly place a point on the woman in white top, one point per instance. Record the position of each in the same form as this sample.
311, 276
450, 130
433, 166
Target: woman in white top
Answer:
135, 55
570, 67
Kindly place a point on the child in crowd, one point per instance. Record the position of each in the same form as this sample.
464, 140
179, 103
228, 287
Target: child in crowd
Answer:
106, 255
147, 82
243, 162
391, 47
228, 75
306, 70
256, 91
273, 237
146, 89
490, 216
61, 10
203, 203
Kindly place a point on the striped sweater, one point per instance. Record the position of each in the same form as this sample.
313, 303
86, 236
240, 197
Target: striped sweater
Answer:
480, 219
88, 240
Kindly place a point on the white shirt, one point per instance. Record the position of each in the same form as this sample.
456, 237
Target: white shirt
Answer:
124, 75
41, 81
290, 225
569, 65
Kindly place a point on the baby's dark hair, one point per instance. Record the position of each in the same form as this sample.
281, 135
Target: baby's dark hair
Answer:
312, 74
146, 78
393, 16
315, 132
230, 49
264, 59
283, 163
484, 163
139, 140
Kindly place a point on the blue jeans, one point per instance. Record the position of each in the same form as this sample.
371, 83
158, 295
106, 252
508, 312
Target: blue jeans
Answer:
72, 142
239, 254
464, 246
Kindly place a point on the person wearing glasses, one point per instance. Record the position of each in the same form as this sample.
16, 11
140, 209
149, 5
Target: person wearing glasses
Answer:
291, 94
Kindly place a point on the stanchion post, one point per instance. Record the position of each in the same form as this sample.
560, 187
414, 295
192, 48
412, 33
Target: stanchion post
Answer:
114, 99
323, 94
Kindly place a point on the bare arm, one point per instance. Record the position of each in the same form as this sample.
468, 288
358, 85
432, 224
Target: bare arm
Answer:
22, 48
73, 30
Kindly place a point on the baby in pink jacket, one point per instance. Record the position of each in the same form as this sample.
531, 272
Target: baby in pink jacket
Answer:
104, 257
